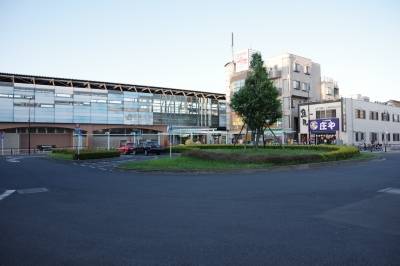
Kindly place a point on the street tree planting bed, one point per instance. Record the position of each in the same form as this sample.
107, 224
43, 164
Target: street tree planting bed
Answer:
228, 157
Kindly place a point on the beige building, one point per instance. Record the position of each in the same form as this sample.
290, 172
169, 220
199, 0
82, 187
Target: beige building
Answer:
329, 90
298, 80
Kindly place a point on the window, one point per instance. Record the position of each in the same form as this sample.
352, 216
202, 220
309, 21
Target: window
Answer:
385, 116
304, 122
388, 136
237, 85
2, 95
360, 114
46, 105
63, 95
296, 67
360, 136
373, 115
330, 113
320, 114
307, 70
373, 137
396, 137
305, 86
296, 84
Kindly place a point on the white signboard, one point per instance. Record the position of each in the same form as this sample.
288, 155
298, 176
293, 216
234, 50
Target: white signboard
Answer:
242, 60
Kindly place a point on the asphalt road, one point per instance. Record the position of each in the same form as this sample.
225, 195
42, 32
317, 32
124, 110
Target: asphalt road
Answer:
60, 213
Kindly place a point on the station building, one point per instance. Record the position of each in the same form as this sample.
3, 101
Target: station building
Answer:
53, 107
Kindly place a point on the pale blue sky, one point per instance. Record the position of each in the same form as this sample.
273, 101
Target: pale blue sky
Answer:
185, 44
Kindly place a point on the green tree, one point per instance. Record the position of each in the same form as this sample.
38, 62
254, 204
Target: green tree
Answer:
257, 101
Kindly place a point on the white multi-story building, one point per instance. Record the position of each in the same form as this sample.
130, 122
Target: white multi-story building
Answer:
360, 121
329, 90
297, 78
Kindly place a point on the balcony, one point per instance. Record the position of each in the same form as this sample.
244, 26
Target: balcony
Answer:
274, 74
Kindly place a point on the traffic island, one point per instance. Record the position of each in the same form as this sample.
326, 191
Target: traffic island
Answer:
230, 157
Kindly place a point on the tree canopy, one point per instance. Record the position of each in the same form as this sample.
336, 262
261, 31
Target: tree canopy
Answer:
257, 101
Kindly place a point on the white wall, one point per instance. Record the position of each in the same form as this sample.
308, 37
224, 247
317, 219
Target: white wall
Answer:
354, 124
366, 125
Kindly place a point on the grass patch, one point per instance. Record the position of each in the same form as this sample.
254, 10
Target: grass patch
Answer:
184, 163
365, 156
61, 156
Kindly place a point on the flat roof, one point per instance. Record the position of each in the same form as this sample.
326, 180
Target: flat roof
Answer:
321, 102
79, 83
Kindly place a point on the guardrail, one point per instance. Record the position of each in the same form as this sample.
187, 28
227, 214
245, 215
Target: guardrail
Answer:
32, 151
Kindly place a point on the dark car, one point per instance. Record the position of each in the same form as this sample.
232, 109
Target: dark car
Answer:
148, 148
152, 148
45, 147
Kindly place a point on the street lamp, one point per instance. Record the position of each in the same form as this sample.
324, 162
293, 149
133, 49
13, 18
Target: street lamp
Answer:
308, 114
29, 126
386, 139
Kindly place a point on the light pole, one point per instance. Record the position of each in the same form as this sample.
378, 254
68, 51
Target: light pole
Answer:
29, 126
308, 116
386, 139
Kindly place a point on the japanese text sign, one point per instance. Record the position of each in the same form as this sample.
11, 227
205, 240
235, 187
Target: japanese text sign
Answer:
324, 125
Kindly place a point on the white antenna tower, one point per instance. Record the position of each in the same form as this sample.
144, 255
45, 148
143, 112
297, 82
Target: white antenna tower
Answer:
232, 45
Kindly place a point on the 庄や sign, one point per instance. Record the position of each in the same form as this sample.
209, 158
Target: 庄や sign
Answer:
330, 125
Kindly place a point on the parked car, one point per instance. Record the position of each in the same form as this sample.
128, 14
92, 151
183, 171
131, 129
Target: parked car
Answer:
152, 148
127, 148
45, 147
148, 148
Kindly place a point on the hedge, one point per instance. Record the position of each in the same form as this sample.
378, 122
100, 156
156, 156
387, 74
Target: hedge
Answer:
183, 148
89, 154
333, 153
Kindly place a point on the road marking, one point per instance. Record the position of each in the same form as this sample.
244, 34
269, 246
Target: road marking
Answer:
32, 190
6, 194
390, 190
12, 160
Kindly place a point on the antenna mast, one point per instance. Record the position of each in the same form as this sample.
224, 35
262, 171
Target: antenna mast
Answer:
232, 44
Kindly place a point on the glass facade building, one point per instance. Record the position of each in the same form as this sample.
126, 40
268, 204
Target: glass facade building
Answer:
54, 100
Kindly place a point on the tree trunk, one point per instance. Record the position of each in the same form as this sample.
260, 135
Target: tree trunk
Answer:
263, 137
236, 138
257, 138
245, 137
276, 138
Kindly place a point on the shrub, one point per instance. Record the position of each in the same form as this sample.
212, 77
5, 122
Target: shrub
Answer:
85, 155
89, 154
183, 148
332, 153
65, 151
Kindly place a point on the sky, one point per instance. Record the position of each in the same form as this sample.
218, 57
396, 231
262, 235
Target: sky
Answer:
185, 44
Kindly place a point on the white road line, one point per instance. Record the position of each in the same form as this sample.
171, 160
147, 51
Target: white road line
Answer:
12, 160
32, 190
6, 194
390, 190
